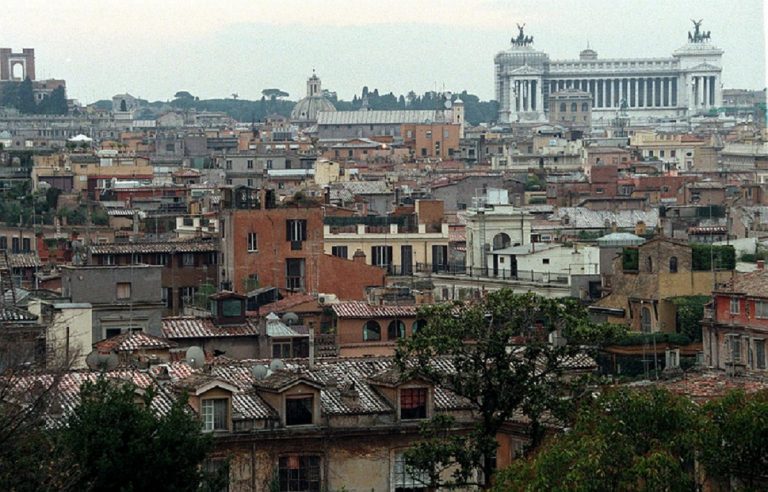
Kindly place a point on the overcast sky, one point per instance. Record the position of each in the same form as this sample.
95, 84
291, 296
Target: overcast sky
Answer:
153, 48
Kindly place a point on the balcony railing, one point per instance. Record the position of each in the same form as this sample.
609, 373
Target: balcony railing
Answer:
491, 273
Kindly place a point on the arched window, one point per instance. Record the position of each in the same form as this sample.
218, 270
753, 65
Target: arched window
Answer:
645, 320
418, 325
574, 107
584, 107
649, 264
501, 240
673, 264
563, 108
371, 331
395, 330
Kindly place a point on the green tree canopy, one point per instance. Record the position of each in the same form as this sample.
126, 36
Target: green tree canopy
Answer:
503, 364
119, 442
627, 439
734, 440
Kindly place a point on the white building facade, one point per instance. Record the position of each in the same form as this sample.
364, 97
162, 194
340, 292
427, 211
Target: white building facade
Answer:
686, 84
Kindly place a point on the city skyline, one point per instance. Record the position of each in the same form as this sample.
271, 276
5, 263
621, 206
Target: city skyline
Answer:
152, 51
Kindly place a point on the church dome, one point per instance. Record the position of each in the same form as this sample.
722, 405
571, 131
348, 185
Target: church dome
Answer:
307, 108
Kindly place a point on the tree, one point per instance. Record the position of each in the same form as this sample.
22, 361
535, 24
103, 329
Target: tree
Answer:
55, 103
274, 94
119, 442
734, 439
26, 98
502, 364
627, 439
183, 95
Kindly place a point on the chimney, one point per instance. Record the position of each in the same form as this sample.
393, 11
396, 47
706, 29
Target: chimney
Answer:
761, 264
311, 348
359, 256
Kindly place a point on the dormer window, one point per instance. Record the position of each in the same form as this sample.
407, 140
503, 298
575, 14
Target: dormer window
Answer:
413, 403
215, 413
299, 410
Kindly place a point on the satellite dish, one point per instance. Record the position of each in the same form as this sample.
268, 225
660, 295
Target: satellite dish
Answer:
92, 361
276, 365
260, 371
195, 357
97, 361
290, 319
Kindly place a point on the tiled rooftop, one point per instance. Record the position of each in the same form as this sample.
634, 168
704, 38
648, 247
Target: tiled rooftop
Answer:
165, 247
361, 309
130, 341
196, 327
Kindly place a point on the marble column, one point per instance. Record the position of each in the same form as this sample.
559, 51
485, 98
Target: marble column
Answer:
539, 97
718, 92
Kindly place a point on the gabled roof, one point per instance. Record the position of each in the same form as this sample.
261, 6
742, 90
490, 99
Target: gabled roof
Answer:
131, 341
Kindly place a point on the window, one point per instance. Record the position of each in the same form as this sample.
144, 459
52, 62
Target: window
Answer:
340, 251
294, 273
215, 414
760, 354
761, 309
645, 320
253, 243
186, 295
250, 182
584, 109
649, 264
418, 325
371, 331
413, 403
299, 473
673, 264
161, 259
574, 107
295, 230
250, 163
123, 290
405, 481
734, 305
545, 261
381, 256
25, 245
395, 330
217, 468
108, 260
298, 411
269, 163
229, 164
166, 294
735, 341
672, 153
188, 259
3, 242
563, 108
281, 350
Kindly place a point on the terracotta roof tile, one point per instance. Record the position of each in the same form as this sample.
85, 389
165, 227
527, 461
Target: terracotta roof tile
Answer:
196, 327
361, 309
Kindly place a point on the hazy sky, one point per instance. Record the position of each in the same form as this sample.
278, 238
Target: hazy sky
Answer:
213, 48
